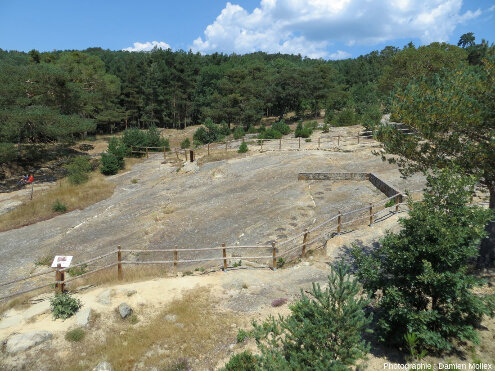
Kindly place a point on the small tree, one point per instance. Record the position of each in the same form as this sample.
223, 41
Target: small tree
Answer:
117, 148
186, 143
302, 132
423, 272
239, 132
281, 127
109, 164
324, 330
243, 148
78, 170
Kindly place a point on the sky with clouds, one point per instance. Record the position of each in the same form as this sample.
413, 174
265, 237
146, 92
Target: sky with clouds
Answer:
329, 29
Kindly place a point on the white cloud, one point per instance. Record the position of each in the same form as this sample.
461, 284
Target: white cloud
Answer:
340, 54
309, 27
147, 46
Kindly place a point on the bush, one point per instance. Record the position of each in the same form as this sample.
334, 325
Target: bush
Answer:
63, 305
423, 272
243, 148
242, 335
311, 125
186, 143
78, 170
281, 127
323, 332
117, 148
270, 133
75, 335
224, 128
7, 152
346, 117
208, 133
77, 271
252, 129
134, 137
302, 132
59, 207
109, 164
239, 132
244, 361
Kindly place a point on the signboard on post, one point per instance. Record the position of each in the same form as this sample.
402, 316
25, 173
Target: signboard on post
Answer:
64, 261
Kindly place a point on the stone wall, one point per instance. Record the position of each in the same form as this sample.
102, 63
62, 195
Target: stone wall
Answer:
384, 187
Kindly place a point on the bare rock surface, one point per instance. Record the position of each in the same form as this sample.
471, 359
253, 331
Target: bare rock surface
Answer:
22, 342
83, 316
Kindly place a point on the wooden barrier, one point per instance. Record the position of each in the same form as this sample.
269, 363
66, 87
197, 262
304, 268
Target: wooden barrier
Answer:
371, 213
274, 256
339, 222
176, 257
119, 264
305, 239
224, 253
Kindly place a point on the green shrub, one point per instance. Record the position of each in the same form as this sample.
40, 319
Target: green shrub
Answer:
186, 143
7, 152
243, 148
109, 164
270, 133
75, 335
323, 332
63, 305
78, 170
239, 132
242, 335
346, 117
44, 261
224, 128
302, 132
77, 271
390, 203
311, 125
326, 128
252, 129
280, 262
281, 127
208, 133
59, 207
423, 273
117, 148
244, 361
134, 137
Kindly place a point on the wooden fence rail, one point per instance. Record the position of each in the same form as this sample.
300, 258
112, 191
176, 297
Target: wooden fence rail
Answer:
301, 242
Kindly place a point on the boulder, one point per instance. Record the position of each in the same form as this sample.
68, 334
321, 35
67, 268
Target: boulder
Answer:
22, 342
103, 366
170, 318
105, 297
10, 321
125, 310
83, 316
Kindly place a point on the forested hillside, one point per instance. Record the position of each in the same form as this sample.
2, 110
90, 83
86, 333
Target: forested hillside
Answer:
60, 96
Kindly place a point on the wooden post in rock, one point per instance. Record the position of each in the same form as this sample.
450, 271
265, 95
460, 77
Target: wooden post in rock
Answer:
358, 138
226, 149
164, 152
191, 155
319, 142
119, 264
280, 145
177, 154
305, 239
224, 253
371, 213
338, 140
339, 222
261, 150
185, 154
274, 256
208, 149
32, 190
176, 257
299, 143
396, 204
57, 278
147, 154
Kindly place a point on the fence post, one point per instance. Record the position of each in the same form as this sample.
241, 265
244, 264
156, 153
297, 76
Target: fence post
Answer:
226, 149
185, 154
177, 154
338, 140
224, 253
32, 190
299, 142
147, 155
208, 149
59, 278
319, 142
176, 257
274, 254
371, 213
280, 145
396, 204
261, 150
164, 152
305, 238
119, 263
358, 138
339, 222
191, 155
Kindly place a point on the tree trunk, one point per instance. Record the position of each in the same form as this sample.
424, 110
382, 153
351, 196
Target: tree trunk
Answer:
487, 247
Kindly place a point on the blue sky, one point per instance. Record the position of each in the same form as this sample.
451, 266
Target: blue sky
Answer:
316, 28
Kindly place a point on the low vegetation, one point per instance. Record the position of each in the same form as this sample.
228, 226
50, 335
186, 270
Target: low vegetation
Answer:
243, 148
70, 195
75, 335
63, 305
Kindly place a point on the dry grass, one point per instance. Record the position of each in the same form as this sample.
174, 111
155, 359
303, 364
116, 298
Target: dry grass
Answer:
199, 335
72, 196
220, 155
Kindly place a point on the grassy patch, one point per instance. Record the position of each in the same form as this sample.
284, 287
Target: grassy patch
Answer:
219, 156
159, 343
71, 196
44, 261
75, 335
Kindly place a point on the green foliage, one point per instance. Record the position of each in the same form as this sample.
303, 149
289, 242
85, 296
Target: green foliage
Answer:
424, 272
390, 203
243, 148
75, 335
252, 130
134, 137
244, 361
78, 170
324, 330
224, 129
281, 127
302, 132
7, 152
346, 117
142, 138
242, 335
412, 345
77, 271
280, 262
208, 133
63, 305
311, 125
186, 143
44, 261
110, 164
270, 133
326, 128
59, 207
239, 132
237, 264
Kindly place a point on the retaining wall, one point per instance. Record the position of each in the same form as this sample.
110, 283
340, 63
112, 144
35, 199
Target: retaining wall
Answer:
383, 186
